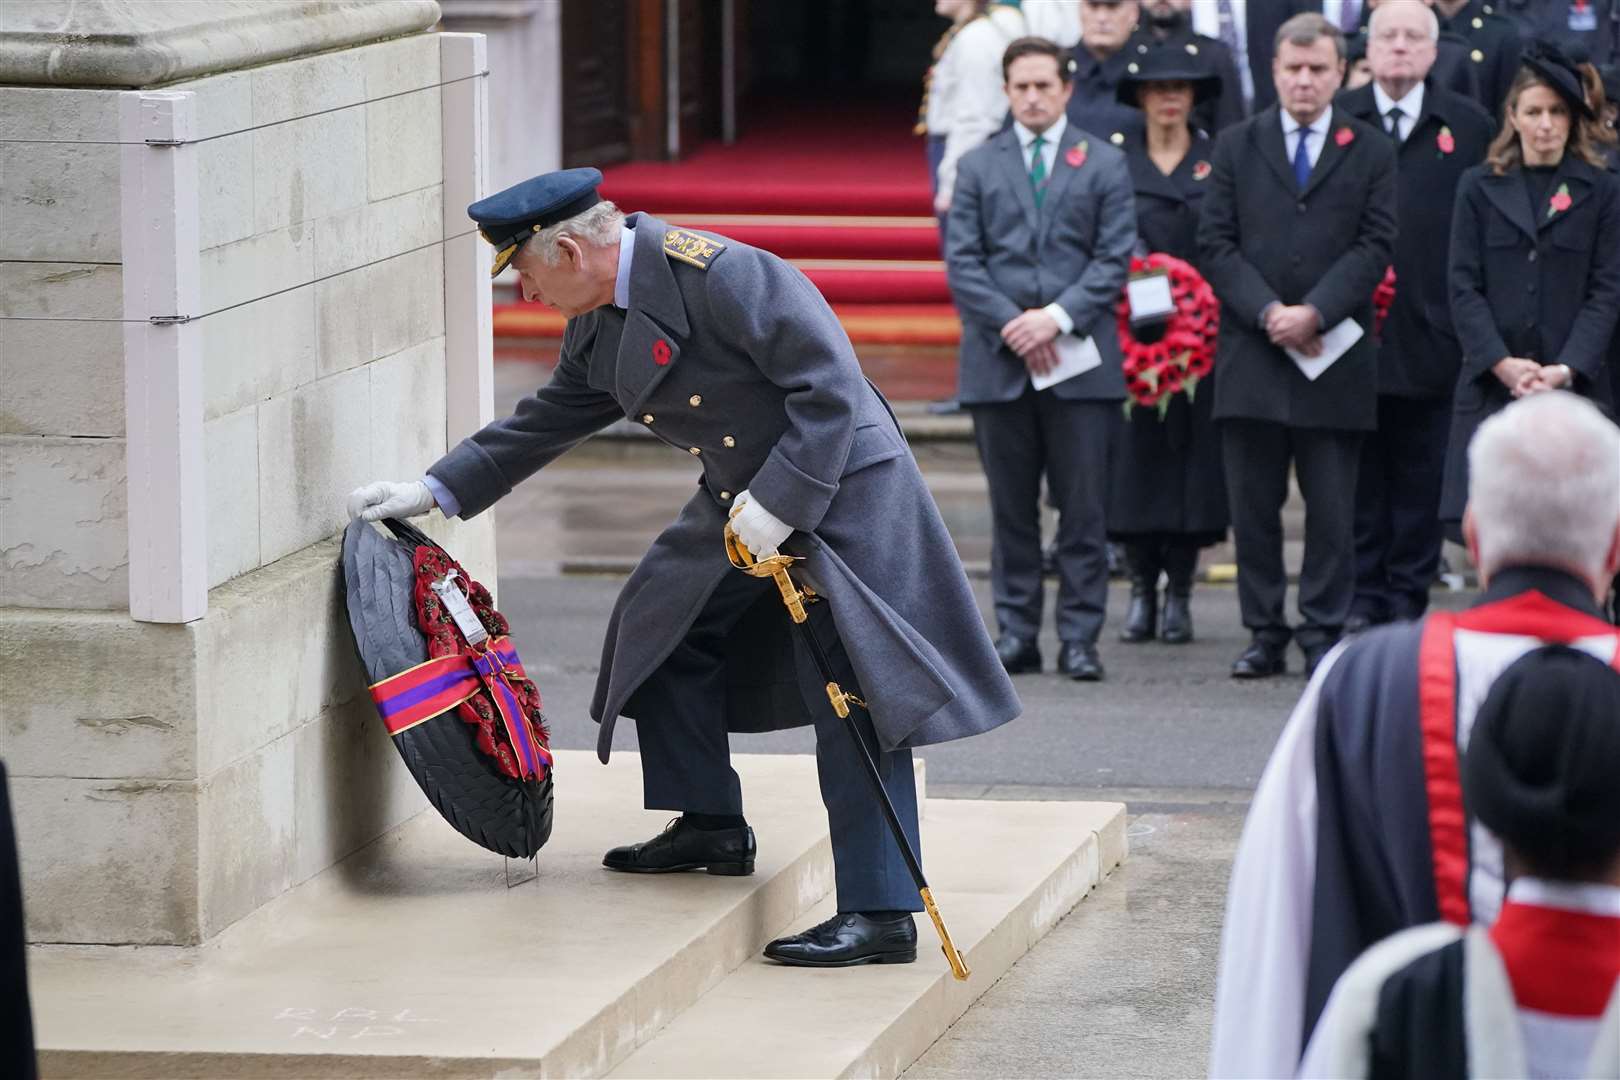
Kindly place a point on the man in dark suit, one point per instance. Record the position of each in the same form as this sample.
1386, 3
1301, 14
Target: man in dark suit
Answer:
1169, 22
1284, 279
1438, 135
1041, 230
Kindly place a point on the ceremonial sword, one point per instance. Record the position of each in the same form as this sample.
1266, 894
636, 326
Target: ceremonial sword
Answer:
775, 567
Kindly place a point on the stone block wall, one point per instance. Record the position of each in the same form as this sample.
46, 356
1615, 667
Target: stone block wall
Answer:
188, 773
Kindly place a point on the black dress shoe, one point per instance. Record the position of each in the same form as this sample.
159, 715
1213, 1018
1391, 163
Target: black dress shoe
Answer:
1314, 652
681, 846
1078, 661
1260, 660
1018, 655
849, 938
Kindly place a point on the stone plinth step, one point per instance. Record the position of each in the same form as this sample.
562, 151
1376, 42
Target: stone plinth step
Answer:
412, 958
1003, 874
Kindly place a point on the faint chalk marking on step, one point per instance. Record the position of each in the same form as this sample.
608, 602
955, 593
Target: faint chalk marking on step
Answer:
350, 1023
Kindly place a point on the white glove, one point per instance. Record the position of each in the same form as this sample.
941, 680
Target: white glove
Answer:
761, 531
386, 499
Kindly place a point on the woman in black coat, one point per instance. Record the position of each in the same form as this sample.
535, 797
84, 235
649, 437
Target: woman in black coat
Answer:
1167, 496
1535, 261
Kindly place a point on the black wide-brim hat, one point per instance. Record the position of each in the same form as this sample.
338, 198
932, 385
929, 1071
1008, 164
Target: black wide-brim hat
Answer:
1553, 67
1170, 63
509, 816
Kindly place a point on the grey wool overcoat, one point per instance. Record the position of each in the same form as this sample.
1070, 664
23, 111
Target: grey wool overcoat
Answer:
728, 354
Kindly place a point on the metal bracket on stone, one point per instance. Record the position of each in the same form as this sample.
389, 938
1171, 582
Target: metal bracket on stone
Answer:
169, 320
534, 872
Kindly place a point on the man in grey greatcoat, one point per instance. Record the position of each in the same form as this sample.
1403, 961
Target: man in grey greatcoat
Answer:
729, 354
1041, 230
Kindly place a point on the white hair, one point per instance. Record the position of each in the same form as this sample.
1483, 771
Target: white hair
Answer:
598, 227
1544, 484
1434, 20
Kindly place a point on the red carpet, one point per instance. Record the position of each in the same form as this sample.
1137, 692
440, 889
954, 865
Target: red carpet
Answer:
841, 190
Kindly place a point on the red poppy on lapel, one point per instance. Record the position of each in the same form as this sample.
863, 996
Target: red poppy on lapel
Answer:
1202, 170
660, 352
1344, 136
1444, 141
1076, 156
1560, 201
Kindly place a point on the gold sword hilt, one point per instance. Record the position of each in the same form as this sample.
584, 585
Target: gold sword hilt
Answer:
772, 566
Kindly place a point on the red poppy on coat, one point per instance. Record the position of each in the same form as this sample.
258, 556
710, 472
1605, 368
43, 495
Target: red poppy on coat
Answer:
1445, 142
1344, 136
1076, 156
1560, 201
1202, 170
660, 352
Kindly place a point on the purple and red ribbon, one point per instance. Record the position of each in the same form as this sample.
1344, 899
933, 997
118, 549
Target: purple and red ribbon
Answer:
420, 693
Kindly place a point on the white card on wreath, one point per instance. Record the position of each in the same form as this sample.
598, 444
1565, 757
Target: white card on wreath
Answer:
1335, 343
1076, 356
1150, 297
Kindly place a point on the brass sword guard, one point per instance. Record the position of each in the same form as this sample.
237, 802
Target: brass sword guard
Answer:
772, 566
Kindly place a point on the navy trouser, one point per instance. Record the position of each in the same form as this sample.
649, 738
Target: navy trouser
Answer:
1398, 507
686, 754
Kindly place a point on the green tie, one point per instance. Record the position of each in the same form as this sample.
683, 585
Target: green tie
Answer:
1037, 169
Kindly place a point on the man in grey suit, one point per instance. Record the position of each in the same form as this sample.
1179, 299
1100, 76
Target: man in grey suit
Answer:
1041, 230
729, 355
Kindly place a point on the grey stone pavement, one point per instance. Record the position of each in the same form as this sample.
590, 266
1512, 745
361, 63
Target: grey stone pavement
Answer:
1123, 986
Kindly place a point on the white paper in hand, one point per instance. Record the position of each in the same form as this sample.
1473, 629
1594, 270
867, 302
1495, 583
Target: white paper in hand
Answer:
1076, 356
1335, 343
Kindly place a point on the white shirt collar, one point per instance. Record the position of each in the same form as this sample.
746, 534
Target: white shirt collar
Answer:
1410, 105
1053, 135
627, 254
1318, 127
1590, 898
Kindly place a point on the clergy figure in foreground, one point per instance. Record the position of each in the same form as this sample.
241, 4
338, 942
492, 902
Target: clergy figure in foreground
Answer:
1358, 828
730, 356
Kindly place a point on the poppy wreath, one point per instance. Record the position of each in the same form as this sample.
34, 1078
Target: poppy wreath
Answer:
1155, 371
1383, 298
431, 564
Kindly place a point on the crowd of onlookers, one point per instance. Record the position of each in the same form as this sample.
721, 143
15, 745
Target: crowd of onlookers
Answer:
1395, 251
1407, 215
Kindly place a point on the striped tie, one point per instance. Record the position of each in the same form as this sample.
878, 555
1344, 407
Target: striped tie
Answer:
1037, 170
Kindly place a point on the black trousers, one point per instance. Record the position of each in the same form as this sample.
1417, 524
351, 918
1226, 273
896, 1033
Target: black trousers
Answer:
1398, 507
1071, 444
686, 751
1257, 456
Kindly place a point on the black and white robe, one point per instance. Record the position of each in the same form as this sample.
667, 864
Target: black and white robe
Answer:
1358, 829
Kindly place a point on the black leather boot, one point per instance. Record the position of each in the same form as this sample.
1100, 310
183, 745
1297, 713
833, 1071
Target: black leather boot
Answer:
1142, 617
1180, 563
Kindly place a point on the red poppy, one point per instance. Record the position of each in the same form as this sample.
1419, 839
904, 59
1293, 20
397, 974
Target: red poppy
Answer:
1076, 156
660, 352
1202, 170
1560, 201
1445, 142
1344, 136
1383, 297
1185, 352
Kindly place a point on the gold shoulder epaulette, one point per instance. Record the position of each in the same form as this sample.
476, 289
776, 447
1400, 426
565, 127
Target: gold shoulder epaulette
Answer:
691, 248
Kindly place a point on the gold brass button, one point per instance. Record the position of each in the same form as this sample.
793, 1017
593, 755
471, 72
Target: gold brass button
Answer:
1192, 50
725, 495
695, 451
729, 441
646, 418
1477, 56
1479, 23
695, 400
1117, 138
1132, 67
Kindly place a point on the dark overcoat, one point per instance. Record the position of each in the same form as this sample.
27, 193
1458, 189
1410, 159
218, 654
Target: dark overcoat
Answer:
1006, 257
730, 355
1167, 475
1418, 351
1493, 50
1531, 282
1263, 240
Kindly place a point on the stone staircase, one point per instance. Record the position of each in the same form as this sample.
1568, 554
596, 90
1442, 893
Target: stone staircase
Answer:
415, 958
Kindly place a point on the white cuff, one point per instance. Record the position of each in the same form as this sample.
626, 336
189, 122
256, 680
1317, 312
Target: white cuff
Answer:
1061, 317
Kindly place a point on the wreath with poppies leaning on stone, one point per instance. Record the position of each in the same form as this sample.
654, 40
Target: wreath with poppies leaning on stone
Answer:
1183, 354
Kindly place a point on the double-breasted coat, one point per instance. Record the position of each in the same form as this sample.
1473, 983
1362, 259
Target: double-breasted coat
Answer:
1418, 351
731, 356
1167, 475
1531, 281
1263, 239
